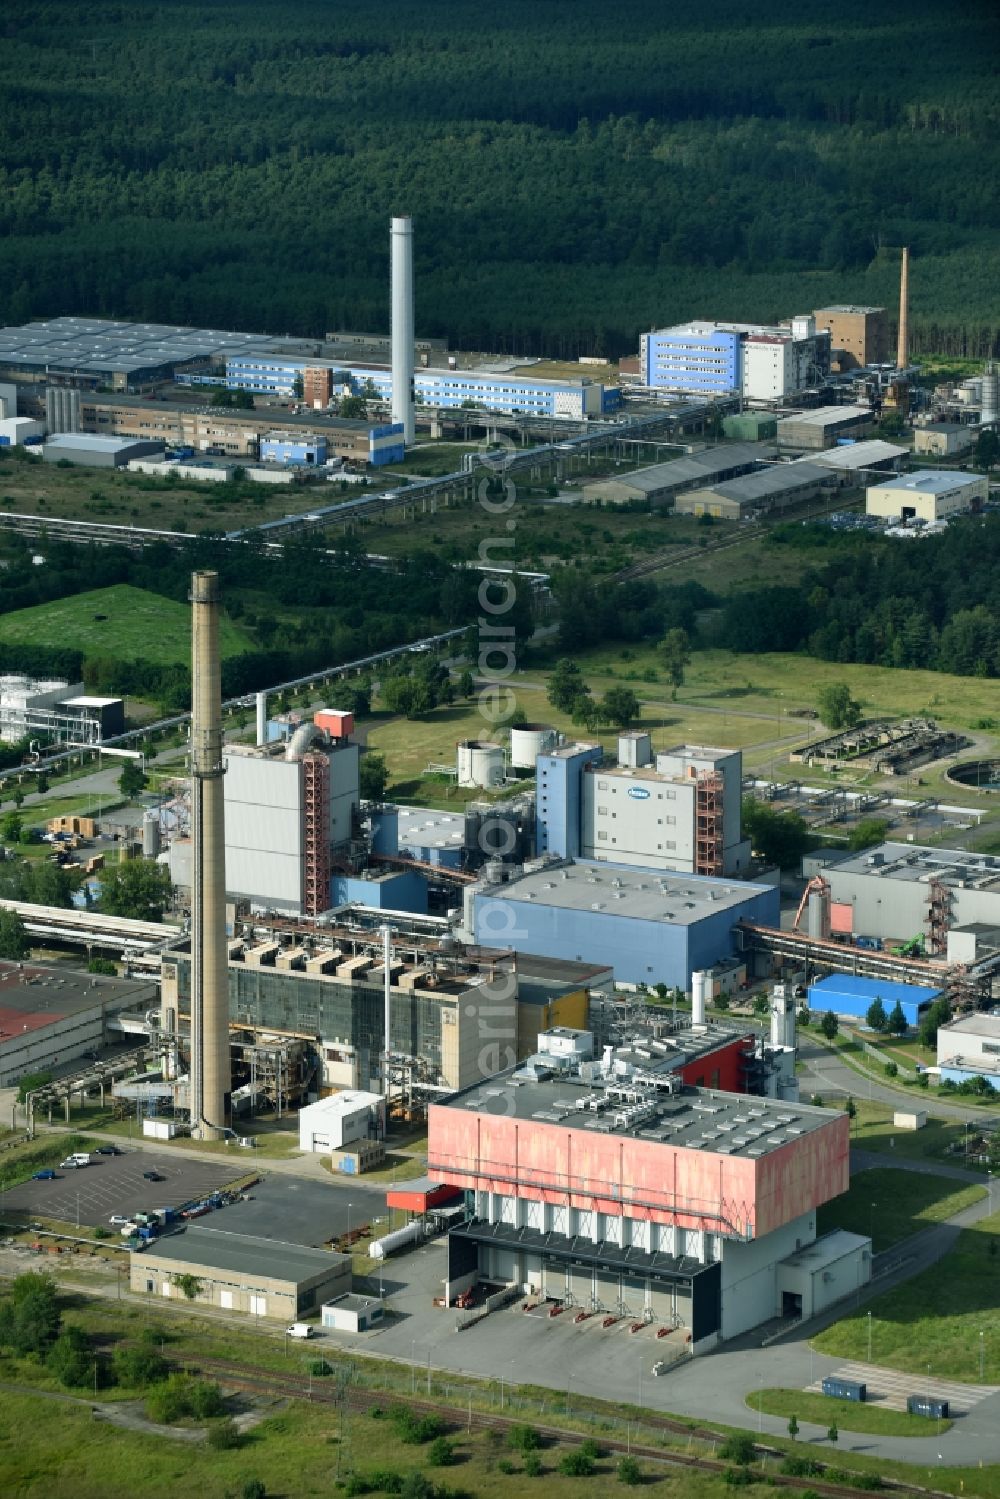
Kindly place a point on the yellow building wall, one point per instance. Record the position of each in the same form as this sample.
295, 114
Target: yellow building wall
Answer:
570, 1009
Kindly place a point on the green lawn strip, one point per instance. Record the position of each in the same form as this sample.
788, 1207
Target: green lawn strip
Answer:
188, 1338
940, 1140
849, 1415
20, 1162
892, 1205
121, 622
936, 1318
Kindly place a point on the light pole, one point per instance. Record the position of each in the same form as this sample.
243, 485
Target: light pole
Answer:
982, 1356
869, 1337
871, 1225
349, 1229
413, 1366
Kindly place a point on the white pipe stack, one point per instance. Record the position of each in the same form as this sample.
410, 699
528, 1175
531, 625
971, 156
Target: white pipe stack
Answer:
402, 325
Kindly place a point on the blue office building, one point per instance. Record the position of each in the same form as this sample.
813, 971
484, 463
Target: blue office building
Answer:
850, 994
648, 926
692, 359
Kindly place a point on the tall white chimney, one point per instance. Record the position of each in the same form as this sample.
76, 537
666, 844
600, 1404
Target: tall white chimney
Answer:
698, 999
262, 718
402, 329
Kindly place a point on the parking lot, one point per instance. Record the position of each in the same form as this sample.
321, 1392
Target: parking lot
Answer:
282, 1207
114, 1184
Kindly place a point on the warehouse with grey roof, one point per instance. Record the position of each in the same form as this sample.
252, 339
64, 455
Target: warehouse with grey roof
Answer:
662, 482
774, 488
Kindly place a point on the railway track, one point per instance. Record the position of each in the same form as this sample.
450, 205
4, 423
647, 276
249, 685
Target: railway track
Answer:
316, 1391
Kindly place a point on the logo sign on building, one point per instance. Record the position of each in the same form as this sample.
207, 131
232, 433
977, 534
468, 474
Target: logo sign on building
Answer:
638, 793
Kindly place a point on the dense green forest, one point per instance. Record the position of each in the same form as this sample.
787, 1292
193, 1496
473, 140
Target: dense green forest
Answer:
308, 610
933, 603
577, 172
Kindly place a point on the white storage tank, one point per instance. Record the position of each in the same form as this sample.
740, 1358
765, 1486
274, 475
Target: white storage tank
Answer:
398, 1239
480, 763
528, 742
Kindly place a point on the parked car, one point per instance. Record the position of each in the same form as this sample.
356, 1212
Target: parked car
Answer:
48, 1175
118, 1220
153, 1176
108, 1150
69, 1164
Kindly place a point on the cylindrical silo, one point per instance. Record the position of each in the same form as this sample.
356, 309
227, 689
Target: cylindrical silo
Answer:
698, 998
480, 763
528, 742
818, 915
989, 408
150, 835
262, 718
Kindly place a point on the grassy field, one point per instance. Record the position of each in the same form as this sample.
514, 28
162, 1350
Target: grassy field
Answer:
936, 1318
892, 1205
122, 621
849, 1415
123, 499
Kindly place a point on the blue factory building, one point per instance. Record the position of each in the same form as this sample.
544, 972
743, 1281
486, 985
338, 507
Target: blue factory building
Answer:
850, 994
398, 890
693, 358
648, 926
559, 803
294, 448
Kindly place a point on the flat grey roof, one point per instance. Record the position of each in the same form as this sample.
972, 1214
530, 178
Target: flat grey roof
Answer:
89, 442
775, 480
50, 994
430, 828
696, 1119
352, 1302
692, 467
916, 863
622, 890
858, 455
973, 1025
825, 416
933, 480
245, 1254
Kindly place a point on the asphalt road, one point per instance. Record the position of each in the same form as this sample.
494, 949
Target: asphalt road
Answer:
825, 1073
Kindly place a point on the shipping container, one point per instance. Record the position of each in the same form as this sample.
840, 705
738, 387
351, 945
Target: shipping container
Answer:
845, 1389
925, 1405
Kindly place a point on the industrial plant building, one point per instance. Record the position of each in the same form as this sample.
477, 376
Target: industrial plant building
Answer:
287, 806
774, 488
859, 336
898, 890
759, 362
239, 434
661, 483
943, 439
969, 1047
59, 710
241, 1273
933, 495
613, 1186
88, 451
679, 812
823, 427
852, 994
51, 1016
310, 1010
651, 926
852, 460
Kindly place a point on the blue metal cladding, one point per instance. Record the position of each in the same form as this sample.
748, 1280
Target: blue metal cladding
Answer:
851, 994
558, 801
700, 363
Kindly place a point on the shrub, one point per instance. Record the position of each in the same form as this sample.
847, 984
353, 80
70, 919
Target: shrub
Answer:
737, 1478
70, 1358
139, 1366
576, 1465
524, 1439
253, 1488
800, 1467
440, 1453
532, 1465
506, 1466
206, 1399
629, 1472
738, 1448
416, 1429
591, 1449
179, 1395
320, 1368
224, 1435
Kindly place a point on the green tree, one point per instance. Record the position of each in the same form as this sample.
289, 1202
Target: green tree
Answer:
628, 1472
986, 452
374, 776
833, 1434
829, 1025
778, 837
896, 1024
12, 828
793, 1427
466, 684
133, 778
837, 708
875, 1016
103, 966
14, 942
70, 1358
139, 888
675, 651
738, 1448
441, 1453
353, 406
29, 1315
936, 1014
524, 1439
298, 387
850, 1107
30, 1082
565, 685
576, 1464
619, 706
137, 1366
869, 831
